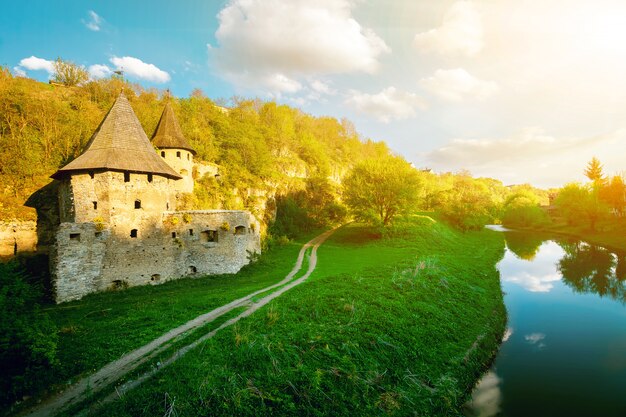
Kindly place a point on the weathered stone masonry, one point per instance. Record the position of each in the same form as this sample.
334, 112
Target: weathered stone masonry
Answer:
88, 259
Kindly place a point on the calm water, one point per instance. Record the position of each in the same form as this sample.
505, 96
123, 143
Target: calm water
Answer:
564, 351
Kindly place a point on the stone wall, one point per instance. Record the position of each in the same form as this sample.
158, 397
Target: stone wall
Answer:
16, 237
88, 258
181, 161
108, 198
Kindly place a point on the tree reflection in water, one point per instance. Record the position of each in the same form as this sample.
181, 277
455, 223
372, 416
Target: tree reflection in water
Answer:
592, 269
524, 245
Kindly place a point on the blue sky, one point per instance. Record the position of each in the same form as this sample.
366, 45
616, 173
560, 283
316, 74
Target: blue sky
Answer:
521, 91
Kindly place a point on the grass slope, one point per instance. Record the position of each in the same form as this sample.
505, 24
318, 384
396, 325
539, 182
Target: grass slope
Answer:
102, 327
402, 325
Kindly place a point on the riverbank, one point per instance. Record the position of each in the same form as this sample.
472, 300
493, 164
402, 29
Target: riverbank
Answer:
397, 325
609, 234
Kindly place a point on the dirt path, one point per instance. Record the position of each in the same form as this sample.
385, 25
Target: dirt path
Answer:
115, 370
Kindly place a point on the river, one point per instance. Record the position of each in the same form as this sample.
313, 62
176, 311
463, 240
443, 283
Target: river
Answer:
564, 350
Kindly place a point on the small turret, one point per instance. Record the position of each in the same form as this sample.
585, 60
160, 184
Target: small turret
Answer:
174, 148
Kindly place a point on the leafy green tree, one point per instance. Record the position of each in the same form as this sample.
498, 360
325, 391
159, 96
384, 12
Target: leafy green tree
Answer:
578, 203
68, 73
377, 190
521, 209
469, 204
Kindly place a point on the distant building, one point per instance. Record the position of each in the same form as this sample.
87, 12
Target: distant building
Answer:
113, 221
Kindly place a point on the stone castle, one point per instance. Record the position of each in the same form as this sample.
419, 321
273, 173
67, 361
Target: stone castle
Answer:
110, 219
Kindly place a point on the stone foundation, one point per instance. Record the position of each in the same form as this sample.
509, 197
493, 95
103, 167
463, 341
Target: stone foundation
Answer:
16, 237
90, 257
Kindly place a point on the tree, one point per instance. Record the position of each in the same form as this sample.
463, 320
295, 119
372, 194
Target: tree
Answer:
614, 194
594, 171
68, 73
377, 190
522, 209
576, 202
469, 204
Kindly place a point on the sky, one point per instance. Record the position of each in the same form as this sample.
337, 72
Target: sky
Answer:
526, 91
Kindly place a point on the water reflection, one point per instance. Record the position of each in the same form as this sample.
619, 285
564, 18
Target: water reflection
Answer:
524, 245
537, 276
592, 269
486, 398
536, 339
566, 301
584, 268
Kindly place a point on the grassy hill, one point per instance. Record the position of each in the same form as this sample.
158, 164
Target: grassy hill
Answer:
386, 324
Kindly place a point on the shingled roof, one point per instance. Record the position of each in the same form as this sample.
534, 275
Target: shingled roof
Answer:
168, 134
119, 144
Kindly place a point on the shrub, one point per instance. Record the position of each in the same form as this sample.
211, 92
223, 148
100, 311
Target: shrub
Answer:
187, 218
28, 338
99, 222
525, 216
225, 226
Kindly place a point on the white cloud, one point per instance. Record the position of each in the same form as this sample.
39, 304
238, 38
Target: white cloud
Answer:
460, 33
389, 104
135, 67
98, 71
457, 84
531, 155
95, 21
321, 87
19, 72
259, 39
280, 82
36, 64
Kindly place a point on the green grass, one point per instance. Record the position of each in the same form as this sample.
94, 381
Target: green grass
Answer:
102, 327
401, 325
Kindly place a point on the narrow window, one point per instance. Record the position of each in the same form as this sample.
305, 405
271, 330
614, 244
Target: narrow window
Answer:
137, 204
188, 156
133, 233
208, 236
91, 174
75, 236
163, 154
174, 235
149, 177
95, 205
167, 206
178, 154
127, 177
190, 232
240, 230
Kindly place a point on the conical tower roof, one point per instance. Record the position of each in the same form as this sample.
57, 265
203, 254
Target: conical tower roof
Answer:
168, 134
119, 144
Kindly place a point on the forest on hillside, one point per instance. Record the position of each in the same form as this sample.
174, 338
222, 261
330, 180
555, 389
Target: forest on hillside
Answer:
258, 144
269, 151
264, 149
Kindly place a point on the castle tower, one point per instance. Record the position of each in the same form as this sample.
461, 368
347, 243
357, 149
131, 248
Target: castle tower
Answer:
117, 222
174, 148
118, 179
